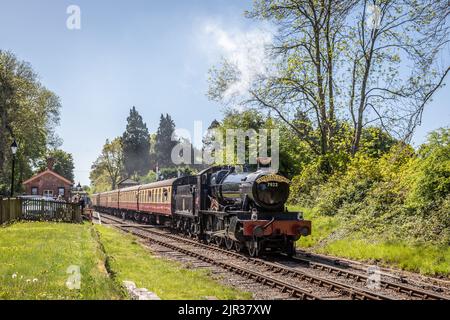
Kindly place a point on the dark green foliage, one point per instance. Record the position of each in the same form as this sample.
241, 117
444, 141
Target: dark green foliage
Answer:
164, 143
29, 113
175, 172
136, 145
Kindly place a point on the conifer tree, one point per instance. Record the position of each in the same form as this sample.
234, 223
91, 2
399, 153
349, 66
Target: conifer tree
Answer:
136, 145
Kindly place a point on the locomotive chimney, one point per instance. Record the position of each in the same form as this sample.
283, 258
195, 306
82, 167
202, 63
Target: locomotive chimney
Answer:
264, 162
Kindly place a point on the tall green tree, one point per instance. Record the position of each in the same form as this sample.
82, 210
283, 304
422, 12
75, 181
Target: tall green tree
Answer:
29, 113
369, 62
164, 143
136, 145
63, 163
108, 169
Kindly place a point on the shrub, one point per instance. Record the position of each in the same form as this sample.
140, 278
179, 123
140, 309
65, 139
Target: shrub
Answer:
402, 194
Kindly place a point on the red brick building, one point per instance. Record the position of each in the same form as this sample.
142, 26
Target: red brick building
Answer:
50, 184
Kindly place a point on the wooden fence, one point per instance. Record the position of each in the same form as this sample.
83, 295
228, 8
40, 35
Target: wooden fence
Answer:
39, 210
10, 210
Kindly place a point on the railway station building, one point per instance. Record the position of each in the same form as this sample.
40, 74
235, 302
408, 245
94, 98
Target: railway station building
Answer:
49, 184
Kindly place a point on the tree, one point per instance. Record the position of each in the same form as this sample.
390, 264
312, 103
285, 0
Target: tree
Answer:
149, 177
400, 35
329, 67
136, 145
63, 163
164, 143
175, 172
108, 169
29, 113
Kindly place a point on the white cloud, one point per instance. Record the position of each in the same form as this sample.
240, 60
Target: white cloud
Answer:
246, 49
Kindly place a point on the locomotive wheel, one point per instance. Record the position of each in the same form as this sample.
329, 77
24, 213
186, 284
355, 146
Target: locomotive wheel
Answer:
196, 227
218, 241
291, 249
238, 246
253, 248
229, 243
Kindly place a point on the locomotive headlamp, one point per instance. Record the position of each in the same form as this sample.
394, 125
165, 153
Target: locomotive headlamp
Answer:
303, 231
300, 216
254, 215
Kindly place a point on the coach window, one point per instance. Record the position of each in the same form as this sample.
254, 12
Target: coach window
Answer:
165, 192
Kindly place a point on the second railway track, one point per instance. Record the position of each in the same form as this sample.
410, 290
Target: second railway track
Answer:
297, 283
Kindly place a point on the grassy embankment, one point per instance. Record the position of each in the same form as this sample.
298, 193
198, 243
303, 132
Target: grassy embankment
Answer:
169, 280
326, 239
35, 257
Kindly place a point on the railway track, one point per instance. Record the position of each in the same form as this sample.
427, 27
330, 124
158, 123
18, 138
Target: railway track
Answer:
160, 238
272, 274
363, 279
404, 278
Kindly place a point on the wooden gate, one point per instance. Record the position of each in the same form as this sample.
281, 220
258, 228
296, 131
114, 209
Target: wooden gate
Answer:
47, 210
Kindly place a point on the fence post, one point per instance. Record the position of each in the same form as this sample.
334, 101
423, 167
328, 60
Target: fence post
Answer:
8, 210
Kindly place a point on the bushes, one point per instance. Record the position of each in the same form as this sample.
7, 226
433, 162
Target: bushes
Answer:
305, 187
401, 194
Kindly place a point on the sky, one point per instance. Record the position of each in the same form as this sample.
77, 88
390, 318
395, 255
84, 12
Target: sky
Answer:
154, 55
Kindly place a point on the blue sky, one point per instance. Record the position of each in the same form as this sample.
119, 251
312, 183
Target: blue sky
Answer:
151, 54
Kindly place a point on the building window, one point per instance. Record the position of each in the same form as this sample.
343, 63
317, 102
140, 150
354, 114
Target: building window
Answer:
48, 193
34, 191
61, 191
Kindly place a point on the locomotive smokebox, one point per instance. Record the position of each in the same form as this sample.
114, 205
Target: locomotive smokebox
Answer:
260, 190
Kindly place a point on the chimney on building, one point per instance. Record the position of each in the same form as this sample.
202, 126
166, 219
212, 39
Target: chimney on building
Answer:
50, 163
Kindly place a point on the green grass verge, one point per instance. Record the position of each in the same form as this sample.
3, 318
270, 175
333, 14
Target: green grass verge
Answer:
325, 238
35, 257
129, 260
430, 260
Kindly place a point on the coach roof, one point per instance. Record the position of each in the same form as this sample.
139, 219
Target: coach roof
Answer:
157, 184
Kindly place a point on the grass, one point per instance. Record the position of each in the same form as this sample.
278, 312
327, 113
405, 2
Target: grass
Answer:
35, 257
430, 260
322, 227
129, 260
327, 239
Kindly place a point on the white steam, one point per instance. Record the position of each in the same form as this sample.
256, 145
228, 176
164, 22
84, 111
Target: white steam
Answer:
247, 50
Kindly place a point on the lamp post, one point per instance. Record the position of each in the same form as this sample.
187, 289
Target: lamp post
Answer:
14, 151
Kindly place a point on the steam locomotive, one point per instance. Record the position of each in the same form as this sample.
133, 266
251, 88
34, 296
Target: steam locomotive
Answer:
237, 210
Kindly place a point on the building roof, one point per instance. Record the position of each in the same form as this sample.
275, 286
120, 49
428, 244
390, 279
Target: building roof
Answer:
128, 181
48, 172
